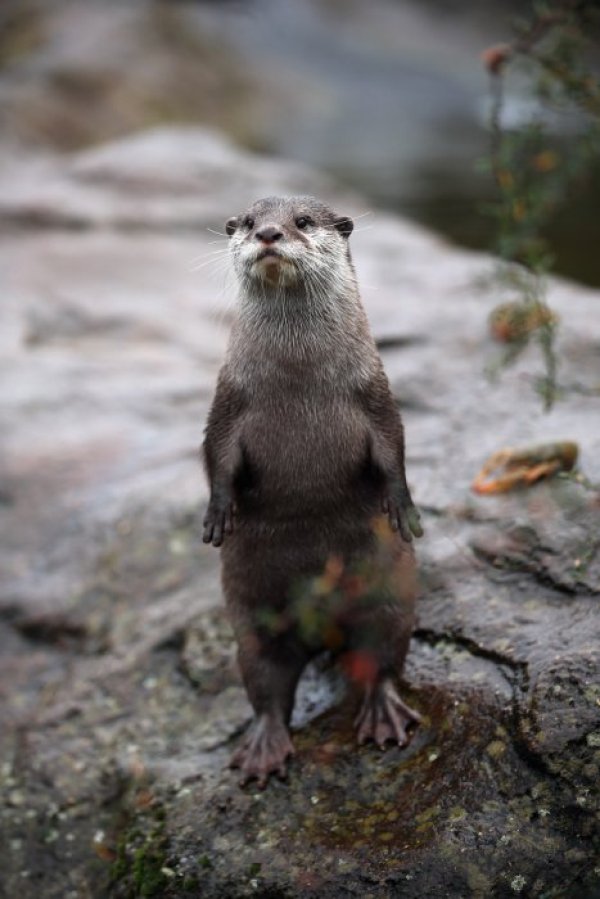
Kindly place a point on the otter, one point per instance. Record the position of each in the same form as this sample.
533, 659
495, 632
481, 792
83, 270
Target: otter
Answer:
304, 454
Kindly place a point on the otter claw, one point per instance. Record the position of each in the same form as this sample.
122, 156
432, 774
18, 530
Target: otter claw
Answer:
404, 517
383, 717
264, 751
218, 523
414, 521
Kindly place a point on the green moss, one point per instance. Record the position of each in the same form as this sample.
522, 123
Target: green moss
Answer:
120, 866
148, 862
140, 866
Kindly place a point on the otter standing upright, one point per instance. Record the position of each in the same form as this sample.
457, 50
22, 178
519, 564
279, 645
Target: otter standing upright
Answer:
304, 451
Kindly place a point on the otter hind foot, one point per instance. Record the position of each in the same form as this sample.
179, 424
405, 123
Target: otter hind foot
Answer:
264, 751
383, 716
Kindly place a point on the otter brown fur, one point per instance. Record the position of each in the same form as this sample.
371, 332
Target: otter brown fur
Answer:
304, 452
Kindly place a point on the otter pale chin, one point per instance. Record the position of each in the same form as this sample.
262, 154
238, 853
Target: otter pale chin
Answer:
304, 453
275, 269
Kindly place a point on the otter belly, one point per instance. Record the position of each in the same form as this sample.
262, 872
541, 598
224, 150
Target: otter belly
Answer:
307, 499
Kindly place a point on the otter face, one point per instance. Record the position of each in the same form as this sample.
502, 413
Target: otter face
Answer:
283, 242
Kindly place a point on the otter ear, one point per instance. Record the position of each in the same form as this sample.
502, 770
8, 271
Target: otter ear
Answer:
231, 225
344, 225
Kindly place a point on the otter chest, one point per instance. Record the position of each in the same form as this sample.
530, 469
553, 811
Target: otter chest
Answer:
298, 445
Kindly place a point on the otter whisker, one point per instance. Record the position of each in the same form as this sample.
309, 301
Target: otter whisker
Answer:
213, 260
219, 251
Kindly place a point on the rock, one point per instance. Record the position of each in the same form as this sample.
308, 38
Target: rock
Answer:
180, 180
120, 696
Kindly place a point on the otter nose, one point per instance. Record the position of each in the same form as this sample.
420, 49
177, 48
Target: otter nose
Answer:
269, 234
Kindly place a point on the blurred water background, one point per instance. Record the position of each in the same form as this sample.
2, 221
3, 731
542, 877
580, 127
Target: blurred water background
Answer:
390, 96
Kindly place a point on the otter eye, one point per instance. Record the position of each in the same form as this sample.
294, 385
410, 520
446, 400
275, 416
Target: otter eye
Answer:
248, 222
303, 222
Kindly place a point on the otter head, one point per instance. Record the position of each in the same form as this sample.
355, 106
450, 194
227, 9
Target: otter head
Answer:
290, 242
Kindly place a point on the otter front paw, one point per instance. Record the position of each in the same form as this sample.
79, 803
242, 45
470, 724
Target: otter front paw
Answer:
264, 751
218, 521
403, 514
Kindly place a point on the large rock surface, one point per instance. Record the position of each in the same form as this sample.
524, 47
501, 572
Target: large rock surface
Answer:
120, 696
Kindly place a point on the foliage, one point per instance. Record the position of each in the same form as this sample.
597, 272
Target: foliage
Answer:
532, 170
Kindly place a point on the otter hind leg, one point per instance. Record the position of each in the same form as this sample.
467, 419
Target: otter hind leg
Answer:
270, 673
379, 637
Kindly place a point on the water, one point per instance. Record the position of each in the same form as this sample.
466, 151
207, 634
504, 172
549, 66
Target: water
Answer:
456, 207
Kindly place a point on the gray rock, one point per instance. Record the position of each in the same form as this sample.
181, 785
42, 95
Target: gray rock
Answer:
120, 696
